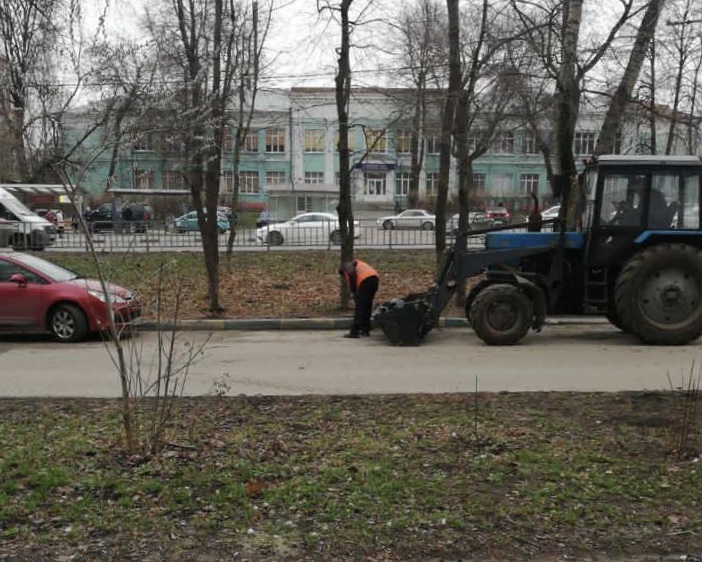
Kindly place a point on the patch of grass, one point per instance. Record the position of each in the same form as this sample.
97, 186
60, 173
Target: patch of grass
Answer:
260, 284
353, 478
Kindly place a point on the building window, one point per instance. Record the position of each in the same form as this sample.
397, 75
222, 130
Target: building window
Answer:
402, 183
275, 178
251, 141
303, 203
227, 183
171, 181
143, 179
529, 142
403, 142
171, 142
376, 141
501, 185
433, 143
143, 142
504, 143
432, 185
352, 141
275, 140
618, 143
248, 182
528, 183
374, 184
479, 181
476, 140
228, 140
314, 140
314, 178
584, 142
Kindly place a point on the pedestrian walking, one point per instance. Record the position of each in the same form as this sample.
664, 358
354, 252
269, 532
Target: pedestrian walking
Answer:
60, 222
363, 283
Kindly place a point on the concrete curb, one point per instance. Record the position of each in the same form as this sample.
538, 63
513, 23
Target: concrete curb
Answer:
270, 324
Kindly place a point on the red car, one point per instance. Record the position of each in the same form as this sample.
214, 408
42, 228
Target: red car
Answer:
499, 215
40, 296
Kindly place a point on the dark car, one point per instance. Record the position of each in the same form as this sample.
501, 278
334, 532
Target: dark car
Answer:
134, 216
476, 221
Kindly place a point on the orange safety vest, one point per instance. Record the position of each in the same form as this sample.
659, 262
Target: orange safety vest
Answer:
363, 272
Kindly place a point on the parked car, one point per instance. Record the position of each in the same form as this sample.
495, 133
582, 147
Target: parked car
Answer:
137, 215
30, 230
551, 212
411, 218
476, 221
40, 296
265, 219
307, 228
7, 229
499, 214
188, 223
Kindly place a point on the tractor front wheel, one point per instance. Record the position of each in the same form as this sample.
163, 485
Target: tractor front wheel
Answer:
658, 294
501, 314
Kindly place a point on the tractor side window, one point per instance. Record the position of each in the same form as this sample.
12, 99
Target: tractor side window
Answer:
621, 199
688, 216
664, 200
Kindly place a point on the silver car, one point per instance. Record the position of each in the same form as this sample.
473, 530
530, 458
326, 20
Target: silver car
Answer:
307, 229
411, 218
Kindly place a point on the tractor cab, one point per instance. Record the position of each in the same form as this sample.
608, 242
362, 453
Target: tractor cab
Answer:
635, 201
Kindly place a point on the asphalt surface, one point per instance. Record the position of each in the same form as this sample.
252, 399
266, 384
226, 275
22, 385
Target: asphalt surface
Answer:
563, 357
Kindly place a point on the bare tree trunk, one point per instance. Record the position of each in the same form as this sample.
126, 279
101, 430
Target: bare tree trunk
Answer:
617, 107
651, 110
567, 106
447, 121
251, 57
692, 131
343, 93
417, 148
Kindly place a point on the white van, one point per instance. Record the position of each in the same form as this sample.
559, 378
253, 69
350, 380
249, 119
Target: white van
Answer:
22, 228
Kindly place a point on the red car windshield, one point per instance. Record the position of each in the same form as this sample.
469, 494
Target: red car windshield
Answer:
54, 272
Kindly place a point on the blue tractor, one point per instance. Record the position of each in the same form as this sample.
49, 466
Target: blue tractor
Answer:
636, 257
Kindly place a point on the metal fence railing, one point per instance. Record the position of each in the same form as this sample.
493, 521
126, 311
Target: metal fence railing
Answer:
160, 236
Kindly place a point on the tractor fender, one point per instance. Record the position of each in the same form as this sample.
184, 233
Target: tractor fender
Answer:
538, 297
532, 290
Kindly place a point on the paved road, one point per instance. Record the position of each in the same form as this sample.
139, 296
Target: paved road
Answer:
571, 357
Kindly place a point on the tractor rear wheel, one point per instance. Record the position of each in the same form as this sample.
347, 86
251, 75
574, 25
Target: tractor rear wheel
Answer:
501, 314
616, 321
658, 294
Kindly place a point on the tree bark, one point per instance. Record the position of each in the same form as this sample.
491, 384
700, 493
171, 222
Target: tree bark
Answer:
617, 107
343, 92
447, 122
567, 107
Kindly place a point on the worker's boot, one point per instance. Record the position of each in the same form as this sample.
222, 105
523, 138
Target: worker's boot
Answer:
351, 334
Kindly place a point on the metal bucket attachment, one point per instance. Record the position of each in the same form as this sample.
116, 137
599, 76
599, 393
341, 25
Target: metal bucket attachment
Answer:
405, 321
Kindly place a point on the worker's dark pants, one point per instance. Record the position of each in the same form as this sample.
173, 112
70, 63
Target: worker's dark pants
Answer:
364, 305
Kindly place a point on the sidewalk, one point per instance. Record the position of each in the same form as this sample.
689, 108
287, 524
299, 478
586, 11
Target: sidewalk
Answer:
343, 323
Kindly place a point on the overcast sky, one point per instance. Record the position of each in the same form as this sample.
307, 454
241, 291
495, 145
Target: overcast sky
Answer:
301, 43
